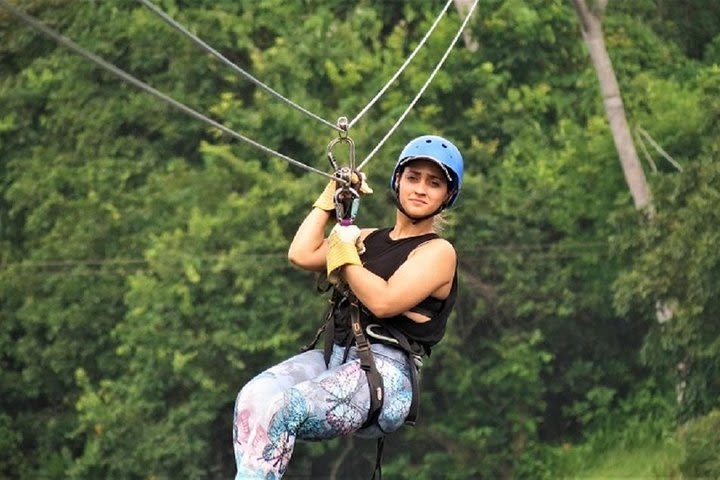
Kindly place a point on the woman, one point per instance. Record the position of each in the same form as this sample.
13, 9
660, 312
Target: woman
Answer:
399, 288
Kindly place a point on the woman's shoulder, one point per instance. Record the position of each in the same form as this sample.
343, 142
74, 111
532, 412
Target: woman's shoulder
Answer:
437, 246
364, 232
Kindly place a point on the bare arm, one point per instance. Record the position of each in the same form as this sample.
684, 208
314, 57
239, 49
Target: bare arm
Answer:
309, 247
429, 270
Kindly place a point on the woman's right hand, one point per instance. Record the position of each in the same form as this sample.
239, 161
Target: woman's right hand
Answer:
326, 200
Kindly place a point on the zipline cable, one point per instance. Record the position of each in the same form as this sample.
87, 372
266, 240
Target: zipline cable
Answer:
402, 67
205, 46
67, 43
198, 41
422, 90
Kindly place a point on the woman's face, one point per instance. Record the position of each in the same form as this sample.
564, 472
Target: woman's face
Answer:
423, 187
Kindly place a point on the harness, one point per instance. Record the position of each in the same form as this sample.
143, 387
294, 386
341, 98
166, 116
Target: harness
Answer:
342, 297
386, 334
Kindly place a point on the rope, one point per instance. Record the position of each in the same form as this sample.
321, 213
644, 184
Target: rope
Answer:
66, 42
402, 67
170, 21
422, 90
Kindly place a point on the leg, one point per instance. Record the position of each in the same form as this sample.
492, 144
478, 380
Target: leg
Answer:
334, 402
253, 408
337, 402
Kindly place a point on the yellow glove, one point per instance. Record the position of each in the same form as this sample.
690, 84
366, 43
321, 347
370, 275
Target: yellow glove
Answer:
361, 179
326, 200
343, 244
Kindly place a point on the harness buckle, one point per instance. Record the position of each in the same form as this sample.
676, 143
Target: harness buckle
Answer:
379, 336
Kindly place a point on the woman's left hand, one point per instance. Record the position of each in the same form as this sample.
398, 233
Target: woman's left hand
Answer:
344, 248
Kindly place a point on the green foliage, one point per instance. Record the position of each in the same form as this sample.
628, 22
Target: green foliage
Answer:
654, 461
473, 441
678, 247
620, 433
143, 277
700, 440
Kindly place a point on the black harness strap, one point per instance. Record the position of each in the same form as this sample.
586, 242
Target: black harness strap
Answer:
395, 338
319, 332
367, 363
329, 334
378, 458
414, 354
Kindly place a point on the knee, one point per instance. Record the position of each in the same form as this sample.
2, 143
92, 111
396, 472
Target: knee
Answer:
287, 410
258, 390
257, 412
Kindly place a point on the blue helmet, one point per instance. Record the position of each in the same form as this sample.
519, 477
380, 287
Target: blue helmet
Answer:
438, 150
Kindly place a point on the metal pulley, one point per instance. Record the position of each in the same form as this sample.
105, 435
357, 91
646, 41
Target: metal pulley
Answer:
347, 198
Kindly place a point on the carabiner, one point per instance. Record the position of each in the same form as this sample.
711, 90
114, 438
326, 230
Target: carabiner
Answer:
331, 155
347, 199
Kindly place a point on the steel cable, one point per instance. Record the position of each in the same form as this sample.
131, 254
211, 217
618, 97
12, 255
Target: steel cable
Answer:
66, 42
189, 111
173, 23
422, 90
205, 46
402, 67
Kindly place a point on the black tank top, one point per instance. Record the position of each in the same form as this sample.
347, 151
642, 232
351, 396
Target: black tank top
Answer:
383, 256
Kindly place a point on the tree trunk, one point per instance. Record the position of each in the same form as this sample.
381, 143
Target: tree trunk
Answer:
591, 25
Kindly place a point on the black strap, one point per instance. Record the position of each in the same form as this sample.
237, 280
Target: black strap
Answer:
414, 411
378, 458
367, 363
329, 334
414, 353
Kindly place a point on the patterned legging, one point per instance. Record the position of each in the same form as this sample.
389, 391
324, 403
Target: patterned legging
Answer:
302, 399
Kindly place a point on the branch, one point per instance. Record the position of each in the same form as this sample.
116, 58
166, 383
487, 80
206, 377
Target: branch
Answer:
485, 290
646, 154
659, 149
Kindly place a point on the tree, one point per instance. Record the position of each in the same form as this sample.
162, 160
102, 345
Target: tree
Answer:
143, 278
591, 26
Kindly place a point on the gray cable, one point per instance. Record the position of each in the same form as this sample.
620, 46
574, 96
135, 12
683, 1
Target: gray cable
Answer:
402, 67
33, 22
170, 21
422, 90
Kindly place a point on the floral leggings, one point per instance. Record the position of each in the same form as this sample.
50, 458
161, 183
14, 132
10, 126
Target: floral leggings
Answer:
301, 398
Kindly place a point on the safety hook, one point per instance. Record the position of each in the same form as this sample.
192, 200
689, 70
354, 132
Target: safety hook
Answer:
347, 198
351, 146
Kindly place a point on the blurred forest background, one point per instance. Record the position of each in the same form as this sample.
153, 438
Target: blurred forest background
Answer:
143, 269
